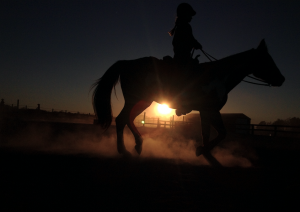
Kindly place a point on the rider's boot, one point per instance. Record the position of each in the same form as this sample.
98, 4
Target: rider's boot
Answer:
183, 108
182, 111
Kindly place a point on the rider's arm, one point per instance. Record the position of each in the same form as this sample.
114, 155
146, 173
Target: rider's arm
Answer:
184, 39
196, 44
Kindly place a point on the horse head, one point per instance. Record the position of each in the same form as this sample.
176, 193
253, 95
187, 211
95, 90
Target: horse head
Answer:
266, 68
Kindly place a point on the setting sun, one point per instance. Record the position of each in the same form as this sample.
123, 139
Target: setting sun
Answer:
163, 109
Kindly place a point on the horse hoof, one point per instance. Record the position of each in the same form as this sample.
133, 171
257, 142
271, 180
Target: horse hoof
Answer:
123, 151
200, 150
126, 154
138, 145
138, 149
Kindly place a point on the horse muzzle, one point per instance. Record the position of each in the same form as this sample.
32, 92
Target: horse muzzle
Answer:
278, 82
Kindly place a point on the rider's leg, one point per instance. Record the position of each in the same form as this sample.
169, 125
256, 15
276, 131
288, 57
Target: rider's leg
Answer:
183, 104
137, 109
183, 84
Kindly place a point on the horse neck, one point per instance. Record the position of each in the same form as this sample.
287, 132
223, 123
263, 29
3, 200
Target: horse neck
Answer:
238, 67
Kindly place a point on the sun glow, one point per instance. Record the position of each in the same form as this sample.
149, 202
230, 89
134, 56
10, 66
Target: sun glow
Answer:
163, 109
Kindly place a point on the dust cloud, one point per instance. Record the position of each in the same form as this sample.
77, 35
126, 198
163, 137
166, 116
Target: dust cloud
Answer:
158, 143
172, 145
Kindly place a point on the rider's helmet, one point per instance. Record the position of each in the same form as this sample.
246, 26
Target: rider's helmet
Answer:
184, 9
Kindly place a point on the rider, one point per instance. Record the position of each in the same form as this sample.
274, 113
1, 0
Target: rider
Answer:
183, 42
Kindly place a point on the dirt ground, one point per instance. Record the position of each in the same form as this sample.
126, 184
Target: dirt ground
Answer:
63, 167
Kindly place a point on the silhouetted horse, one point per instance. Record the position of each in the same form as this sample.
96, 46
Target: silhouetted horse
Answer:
143, 81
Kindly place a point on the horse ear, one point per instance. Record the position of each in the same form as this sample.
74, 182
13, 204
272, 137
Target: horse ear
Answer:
262, 45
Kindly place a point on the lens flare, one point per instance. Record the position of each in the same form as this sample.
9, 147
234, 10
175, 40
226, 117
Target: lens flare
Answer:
164, 109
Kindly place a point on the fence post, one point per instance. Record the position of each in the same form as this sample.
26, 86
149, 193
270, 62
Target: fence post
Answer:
275, 130
18, 104
144, 119
158, 125
252, 129
2, 104
173, 125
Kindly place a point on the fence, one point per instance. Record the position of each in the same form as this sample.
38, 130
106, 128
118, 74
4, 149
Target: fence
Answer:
154, 122
158, 122
270, 130
19, 112
251, 129
8, 107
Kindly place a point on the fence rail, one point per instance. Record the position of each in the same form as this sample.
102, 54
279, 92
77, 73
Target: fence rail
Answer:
272, 130
8, 107
157, 122
253, 129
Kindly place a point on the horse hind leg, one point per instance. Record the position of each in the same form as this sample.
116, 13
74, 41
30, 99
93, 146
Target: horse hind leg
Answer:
130, 111
137, 109
121, 121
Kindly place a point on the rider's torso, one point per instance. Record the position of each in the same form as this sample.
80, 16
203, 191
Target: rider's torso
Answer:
183, 41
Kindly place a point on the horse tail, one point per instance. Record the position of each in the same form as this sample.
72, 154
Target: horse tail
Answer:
102, 94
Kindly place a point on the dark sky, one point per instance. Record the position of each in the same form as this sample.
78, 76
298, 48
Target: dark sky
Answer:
52, 51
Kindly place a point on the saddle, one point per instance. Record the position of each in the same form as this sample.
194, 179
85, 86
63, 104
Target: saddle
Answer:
175, 76
191, 66
176, 79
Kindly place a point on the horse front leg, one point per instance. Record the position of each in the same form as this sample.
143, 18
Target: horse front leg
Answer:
205, 132
218, 124
210, 118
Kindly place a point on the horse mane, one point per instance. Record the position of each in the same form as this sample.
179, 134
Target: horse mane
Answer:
261, 47
232, 58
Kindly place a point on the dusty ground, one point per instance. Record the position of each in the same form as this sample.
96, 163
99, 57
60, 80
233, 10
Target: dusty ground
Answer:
49, 167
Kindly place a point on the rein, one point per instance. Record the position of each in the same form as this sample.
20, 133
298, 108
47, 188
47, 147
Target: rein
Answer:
265, 83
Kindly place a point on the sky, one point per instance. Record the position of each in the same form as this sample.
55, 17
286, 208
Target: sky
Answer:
51, 52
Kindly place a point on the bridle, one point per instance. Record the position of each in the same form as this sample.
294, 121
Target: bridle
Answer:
209, 57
